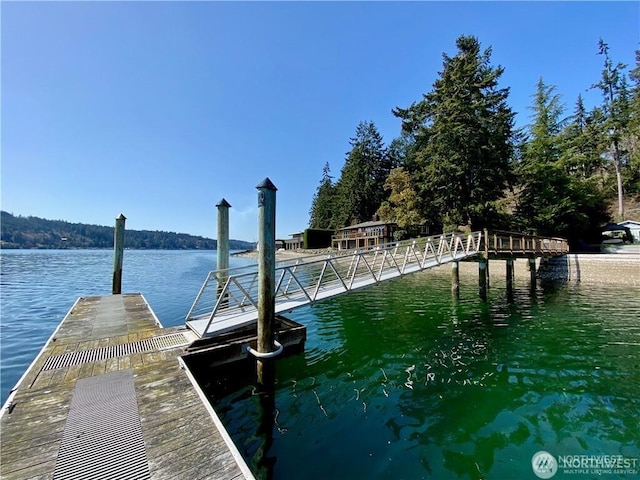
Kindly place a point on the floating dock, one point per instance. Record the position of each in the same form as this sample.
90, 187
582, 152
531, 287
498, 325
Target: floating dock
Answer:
109, 396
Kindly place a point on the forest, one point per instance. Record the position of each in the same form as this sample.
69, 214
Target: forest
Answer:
34, 232
460, 163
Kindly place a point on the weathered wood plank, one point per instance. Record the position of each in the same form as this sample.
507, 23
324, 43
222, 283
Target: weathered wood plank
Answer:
176, 425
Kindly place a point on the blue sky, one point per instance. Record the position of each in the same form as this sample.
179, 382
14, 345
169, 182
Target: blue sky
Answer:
158, 110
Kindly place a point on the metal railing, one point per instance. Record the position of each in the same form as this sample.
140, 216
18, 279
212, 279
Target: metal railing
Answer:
229, 298
234, 293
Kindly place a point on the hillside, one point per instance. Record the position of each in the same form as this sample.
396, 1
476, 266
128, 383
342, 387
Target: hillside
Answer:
34, 232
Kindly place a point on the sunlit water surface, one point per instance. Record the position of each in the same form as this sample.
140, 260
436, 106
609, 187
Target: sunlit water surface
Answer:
400, 381
38, 287
397, 381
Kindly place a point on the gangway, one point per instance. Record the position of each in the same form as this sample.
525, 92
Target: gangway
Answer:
228, 299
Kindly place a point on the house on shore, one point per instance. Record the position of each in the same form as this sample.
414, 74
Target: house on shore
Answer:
363, 235
311, 238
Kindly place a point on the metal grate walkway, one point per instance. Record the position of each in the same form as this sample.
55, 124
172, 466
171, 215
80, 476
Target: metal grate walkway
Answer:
163, 342
102, 438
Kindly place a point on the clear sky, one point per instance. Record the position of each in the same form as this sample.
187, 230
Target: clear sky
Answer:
160, 109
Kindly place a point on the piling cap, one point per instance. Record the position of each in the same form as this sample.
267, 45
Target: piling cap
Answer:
266, 183
223, 203
121, 217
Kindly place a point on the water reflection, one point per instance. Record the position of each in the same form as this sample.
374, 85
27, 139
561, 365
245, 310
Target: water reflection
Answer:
403, 381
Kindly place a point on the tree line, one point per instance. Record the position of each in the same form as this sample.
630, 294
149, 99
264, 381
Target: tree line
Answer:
34, 232
460, 162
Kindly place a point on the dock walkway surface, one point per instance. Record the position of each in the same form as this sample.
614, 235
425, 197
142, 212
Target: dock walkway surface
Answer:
109, 397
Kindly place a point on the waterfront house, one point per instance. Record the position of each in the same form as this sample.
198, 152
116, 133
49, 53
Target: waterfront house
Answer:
363, 235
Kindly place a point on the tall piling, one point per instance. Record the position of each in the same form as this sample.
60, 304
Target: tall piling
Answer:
455, 279
532, 272
266, 275
509, 273
118, 253
222, 264
482, 278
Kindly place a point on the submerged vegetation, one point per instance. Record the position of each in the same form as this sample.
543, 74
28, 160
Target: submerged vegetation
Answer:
461, 162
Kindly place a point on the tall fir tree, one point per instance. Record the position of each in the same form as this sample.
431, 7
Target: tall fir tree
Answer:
550, 201
582, 140
463, 130
615, 108
323, 208
360, 189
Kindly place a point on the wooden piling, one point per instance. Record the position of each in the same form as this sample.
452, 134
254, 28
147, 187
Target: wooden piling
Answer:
266, 272
482, 278
222, 248
532, 271
455, 279
509, 274
118, 253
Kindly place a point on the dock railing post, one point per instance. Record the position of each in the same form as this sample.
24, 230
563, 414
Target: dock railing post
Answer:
222, 264
118, 253
266, 274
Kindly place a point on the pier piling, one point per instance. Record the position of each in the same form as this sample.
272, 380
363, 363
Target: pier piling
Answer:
482, 278
509, 274
455, 279
266, 273
118, 252
223, 243
532, 271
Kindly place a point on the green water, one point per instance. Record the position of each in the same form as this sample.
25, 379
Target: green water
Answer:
400, 381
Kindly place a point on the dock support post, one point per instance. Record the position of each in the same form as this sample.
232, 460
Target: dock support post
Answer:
509, 276
532, 271
222, 264
482, 278
455, 279
266, 275
118, 253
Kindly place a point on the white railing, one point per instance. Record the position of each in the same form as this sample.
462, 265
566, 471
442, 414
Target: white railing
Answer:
229, 299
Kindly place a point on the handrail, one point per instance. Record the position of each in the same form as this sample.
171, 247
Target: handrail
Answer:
234, 292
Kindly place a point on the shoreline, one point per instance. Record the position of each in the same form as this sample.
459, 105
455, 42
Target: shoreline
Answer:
593, 268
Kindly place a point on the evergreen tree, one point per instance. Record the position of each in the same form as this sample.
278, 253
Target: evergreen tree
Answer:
322, 213
463, 133
360, 189
631, 139
550, 201
582, 138
616, 115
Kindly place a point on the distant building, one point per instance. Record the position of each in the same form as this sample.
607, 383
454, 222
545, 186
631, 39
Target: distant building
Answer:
311, 238
634, 227
294, 242
363, 235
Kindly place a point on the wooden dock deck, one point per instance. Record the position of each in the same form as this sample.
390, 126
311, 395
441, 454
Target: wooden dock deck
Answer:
108, 396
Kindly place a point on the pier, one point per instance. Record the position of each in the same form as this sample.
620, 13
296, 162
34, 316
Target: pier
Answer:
229, 300
109, 396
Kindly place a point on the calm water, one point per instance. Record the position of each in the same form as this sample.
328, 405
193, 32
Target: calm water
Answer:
38, 288
398, 381
401, 382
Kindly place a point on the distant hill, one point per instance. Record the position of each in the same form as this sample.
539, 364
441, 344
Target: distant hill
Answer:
34, 232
